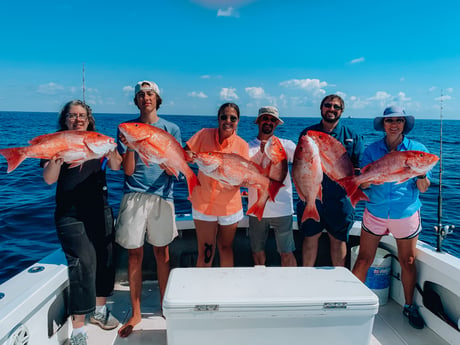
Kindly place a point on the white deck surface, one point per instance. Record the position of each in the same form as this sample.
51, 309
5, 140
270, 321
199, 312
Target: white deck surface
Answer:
390, 326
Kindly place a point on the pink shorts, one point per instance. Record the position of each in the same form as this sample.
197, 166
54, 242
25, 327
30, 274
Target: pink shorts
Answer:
403, 228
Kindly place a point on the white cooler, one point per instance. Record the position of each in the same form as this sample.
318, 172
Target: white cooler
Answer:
268, 305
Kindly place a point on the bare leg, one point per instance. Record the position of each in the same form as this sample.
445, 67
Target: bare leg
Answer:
288, 260
406, 255
206, 237
368, 244
135, 257
259, 258
310, 250
78, 321
100, 301
162, 258
225, 236
338, 251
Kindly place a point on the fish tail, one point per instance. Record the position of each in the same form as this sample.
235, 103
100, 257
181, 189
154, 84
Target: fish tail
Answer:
273, 188
14, 156
257, 210
349, 184
357, 196
310, 211
192, 182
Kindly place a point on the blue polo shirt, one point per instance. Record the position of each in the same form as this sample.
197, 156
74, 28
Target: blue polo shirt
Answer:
354, 145
392, 200
151, 179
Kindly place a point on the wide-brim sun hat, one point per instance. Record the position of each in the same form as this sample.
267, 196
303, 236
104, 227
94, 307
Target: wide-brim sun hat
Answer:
146, 85
269, 110
394, 111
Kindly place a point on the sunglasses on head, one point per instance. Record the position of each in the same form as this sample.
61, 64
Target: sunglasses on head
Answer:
394, 120
225, 118
330, 105
269, 118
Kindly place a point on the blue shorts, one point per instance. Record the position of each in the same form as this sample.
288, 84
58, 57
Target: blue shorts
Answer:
336, 217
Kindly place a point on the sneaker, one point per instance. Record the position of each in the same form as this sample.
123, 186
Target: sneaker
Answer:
415, 319
104, 320
79, 339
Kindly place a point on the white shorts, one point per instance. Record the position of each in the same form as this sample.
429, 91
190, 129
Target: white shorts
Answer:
222, 220
145, 216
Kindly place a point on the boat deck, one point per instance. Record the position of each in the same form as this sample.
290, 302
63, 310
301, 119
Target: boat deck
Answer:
390, 326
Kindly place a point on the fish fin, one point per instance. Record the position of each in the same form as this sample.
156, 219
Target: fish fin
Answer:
310, 211
273, 189
192, 182
319, 196
256, 210
14, 156
349, 184
357, 196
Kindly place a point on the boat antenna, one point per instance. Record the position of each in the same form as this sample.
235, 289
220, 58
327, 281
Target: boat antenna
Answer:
83, 82
441, 230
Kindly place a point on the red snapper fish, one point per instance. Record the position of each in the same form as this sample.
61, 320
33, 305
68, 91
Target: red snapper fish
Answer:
336, 162
396, 166
74, 147
233, 170
278, 165
308, 175
155, 145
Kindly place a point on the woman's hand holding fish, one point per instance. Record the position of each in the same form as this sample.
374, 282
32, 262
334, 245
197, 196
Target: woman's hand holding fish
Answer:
51, 170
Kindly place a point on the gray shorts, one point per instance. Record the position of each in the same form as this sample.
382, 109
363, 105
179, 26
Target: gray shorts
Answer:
282, 226
145, 216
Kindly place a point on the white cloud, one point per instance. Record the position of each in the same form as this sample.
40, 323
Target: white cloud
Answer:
255, 92
402, 79
358, 60
205, 76
402, 97
431, 89
443, 98
228, 94
341, 94
128, 89
195, 94
380, 96
229, 12
449, 89
50, 88
312, 86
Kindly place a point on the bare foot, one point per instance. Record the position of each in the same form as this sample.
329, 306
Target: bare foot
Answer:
128, 327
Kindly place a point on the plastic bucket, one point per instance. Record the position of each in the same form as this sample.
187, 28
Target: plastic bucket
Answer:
379, 274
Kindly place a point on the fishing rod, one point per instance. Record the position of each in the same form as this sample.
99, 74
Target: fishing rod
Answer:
441, 230
83, 82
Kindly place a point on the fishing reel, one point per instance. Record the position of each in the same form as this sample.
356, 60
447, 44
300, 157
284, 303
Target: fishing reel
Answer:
442, 231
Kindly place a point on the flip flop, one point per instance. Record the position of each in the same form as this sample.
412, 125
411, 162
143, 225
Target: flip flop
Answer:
125, 331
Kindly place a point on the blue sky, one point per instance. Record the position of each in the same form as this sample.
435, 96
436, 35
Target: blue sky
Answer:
203, 53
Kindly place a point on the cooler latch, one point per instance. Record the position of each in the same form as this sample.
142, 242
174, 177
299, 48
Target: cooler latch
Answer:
206, 307
335, 305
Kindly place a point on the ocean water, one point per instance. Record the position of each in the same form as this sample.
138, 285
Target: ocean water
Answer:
27, 231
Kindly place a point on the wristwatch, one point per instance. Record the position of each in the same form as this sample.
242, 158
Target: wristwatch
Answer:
421, 177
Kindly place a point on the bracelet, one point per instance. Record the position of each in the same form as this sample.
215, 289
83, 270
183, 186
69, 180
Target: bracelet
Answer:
130, 150
421, 177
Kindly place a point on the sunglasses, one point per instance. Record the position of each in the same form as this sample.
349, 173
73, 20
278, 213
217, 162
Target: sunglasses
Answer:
73, 116
225, 118
269, 118
394, 120
330, 105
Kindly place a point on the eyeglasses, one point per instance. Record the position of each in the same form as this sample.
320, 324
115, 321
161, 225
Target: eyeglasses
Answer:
330, 105
225, 118
394, 120
269, 118
73, 116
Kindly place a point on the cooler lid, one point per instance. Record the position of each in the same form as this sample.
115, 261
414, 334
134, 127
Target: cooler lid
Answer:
264, 287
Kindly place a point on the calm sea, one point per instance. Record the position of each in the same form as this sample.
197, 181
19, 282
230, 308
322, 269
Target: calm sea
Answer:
27, 230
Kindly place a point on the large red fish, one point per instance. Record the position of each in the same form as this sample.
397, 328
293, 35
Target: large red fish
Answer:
234, 170
278, 165
336, 162
155, 145
308, 175
396, 166
74, 147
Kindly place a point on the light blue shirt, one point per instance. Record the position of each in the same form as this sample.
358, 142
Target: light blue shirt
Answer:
151, 179
391, 200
